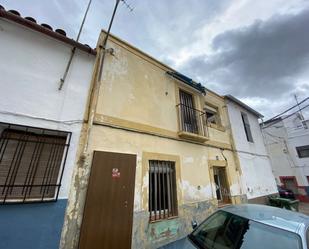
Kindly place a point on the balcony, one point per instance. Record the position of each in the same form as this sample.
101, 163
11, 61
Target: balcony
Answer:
191, 123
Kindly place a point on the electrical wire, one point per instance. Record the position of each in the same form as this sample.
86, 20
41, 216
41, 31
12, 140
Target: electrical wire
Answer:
67, 122
304, 100
275, 122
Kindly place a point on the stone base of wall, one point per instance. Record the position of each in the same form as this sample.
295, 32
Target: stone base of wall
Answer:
156, 234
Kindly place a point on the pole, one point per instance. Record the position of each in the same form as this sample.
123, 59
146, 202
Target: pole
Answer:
105, 40
62, 80
301, 114
96, 88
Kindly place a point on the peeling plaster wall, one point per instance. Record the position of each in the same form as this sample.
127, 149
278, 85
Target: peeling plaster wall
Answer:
136, 114
196, 188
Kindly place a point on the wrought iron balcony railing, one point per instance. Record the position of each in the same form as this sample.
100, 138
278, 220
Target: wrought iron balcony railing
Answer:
192, 121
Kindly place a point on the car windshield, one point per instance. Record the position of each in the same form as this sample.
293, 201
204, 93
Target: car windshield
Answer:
224, 230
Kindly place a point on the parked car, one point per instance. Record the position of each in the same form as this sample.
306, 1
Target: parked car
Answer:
286, 193
248, 227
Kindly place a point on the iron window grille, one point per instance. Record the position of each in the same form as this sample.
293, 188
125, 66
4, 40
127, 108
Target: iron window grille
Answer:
162, 190
32, 163
303, 151
190, 119
247, 128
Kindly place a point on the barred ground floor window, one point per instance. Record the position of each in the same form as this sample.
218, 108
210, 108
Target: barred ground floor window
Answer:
31, 163
162, 190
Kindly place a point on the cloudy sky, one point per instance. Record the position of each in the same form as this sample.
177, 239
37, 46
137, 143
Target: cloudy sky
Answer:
257, 51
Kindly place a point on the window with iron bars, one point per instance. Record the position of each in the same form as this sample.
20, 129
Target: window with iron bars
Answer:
162, 190
31, 163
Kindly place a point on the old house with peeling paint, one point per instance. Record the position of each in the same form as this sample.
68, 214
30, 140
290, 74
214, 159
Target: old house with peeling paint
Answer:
151, 159
39, 128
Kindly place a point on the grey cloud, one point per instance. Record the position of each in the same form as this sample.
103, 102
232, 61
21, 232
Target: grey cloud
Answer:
264, 59
157, 27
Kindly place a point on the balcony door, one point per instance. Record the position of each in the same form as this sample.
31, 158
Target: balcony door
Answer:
188, 113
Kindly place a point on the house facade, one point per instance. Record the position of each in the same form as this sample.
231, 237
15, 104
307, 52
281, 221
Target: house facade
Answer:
257, 177
287, 141
155, 156
39, 128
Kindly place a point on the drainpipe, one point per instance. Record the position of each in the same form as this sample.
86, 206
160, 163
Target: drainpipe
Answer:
234, 151
75, 207
94, 95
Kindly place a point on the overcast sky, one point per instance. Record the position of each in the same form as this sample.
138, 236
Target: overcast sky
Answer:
257, 51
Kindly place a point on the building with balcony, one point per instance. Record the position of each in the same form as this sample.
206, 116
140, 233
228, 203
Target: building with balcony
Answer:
155, 155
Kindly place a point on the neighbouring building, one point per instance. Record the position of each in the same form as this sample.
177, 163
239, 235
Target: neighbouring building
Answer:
287, 141
257, 178
151, 159
39, 128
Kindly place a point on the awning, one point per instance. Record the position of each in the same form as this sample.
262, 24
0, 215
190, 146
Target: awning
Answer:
188, 81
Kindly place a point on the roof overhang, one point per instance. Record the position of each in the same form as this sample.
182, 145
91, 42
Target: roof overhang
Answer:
243, 105
34, 26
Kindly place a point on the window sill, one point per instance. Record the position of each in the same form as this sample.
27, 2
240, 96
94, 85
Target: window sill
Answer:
164, 219
30, 201
217, 127
192, 136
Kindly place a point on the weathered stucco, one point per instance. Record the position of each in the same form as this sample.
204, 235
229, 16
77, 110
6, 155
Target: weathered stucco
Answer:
136, 113
154, 235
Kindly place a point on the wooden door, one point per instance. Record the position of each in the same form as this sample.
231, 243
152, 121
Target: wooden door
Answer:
108, 213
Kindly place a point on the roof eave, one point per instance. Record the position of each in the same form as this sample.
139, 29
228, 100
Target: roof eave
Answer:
248, 108
34, 26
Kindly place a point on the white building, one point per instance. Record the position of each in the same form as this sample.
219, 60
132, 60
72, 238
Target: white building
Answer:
39, 128
256, 173
287, 141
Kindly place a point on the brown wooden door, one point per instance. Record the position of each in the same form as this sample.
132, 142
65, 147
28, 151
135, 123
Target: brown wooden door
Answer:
108, 213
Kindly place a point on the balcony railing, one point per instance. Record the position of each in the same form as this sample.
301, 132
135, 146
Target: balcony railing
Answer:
191, 122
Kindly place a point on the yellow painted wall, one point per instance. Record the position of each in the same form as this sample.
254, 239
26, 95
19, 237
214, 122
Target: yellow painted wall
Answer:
194, 182
137, 95
137, 89
136, 113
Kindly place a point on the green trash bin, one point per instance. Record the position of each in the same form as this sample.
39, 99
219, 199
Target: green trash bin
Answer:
284, 203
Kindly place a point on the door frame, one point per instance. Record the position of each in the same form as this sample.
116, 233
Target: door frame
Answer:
219, 164
87, 197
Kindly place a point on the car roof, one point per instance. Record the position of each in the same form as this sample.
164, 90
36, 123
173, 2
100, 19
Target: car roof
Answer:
277, 217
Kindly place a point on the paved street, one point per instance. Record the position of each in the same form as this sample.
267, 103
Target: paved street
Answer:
304, 208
